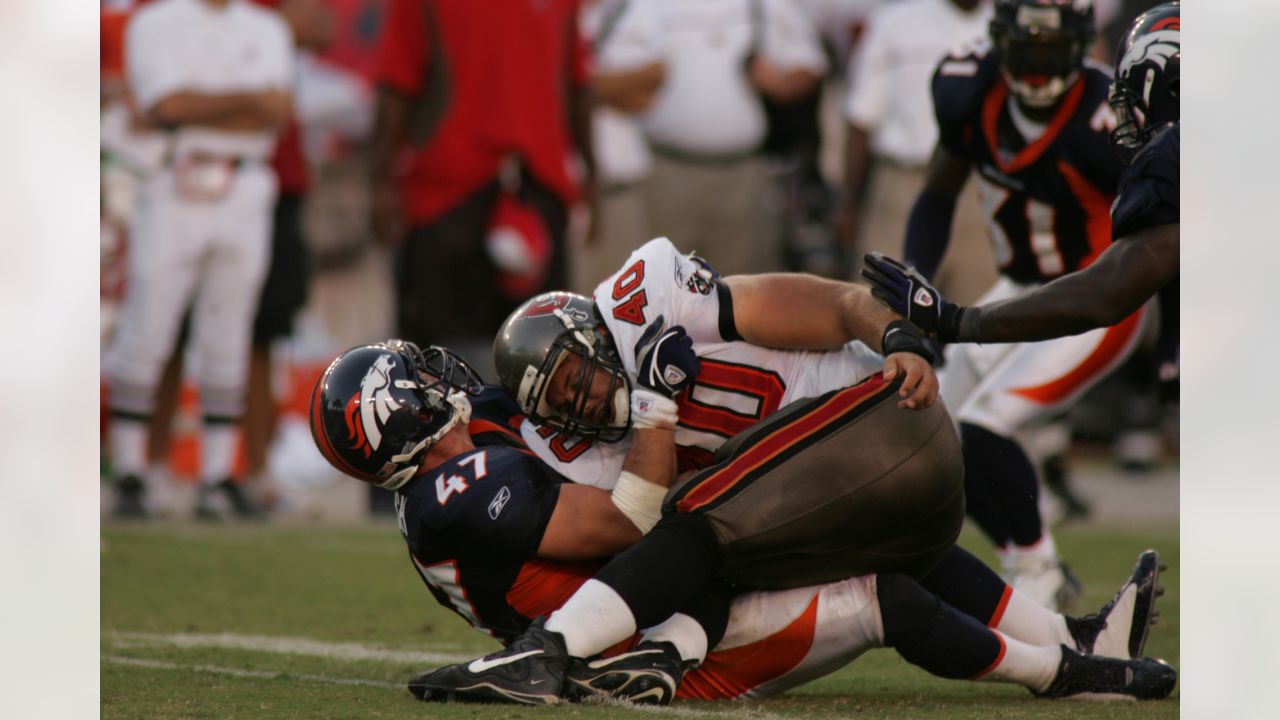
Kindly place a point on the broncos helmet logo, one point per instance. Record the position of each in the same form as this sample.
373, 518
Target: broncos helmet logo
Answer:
373, 405
1158, 47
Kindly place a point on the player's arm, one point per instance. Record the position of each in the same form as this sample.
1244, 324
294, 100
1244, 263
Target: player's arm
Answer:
929, 224
790, 310
1123, 277
586, 525
240, 111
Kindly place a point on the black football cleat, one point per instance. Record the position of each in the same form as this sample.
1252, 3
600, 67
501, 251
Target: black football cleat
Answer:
647, 675
130, 499
1104, 678
1119, 629
529, 671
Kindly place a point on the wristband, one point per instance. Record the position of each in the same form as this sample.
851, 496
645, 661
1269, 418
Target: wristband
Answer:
652, 411
902, 336
638, 499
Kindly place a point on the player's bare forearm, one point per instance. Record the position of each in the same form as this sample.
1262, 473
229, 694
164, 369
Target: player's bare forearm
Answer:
391, 120
652, 456
586, 525
1124, 277
793, 310
312, 22
630, 91
782, 85
580, 107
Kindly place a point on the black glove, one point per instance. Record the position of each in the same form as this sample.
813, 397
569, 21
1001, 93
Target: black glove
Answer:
667, 364
907, 293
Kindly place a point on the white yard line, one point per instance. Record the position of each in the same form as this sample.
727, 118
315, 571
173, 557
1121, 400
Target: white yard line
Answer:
283, 645
347, 651
236, 672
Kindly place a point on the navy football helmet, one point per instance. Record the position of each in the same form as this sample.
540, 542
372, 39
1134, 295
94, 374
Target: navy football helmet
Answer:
378, 409
536, 340
1041, 46
1144, 92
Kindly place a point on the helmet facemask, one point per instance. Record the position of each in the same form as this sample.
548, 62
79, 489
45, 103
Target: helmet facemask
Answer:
596, 354
1041, 50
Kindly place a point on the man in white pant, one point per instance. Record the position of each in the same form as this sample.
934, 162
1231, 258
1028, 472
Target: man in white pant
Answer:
215, 77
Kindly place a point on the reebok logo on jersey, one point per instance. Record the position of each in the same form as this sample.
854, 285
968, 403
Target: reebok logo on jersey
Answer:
499, 501
480, 665
923, 298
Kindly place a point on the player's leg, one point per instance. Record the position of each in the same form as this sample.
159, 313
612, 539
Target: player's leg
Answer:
234, 270
163, 263
1028, 384
935, 636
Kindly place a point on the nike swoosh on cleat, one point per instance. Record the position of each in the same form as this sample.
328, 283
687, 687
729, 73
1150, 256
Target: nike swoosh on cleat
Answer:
480, 665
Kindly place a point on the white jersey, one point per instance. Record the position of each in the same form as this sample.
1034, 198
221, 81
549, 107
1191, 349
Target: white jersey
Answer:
739, 385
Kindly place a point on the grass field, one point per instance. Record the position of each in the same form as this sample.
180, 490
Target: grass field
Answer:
328, 622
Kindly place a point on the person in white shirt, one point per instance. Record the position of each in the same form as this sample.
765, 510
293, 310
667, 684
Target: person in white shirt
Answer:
890, 133
215, 77
624, 84
707, 122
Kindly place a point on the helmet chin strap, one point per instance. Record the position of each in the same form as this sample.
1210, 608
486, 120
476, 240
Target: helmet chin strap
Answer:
461, 406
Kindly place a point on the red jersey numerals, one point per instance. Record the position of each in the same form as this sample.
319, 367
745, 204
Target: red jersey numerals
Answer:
763, 386
632, 310
564, 451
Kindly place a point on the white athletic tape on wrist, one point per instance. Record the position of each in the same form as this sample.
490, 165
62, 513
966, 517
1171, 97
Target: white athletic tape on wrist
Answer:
652, 411
639, 499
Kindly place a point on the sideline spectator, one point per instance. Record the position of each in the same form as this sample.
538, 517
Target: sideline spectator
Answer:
707, 123
202, 232
480, 105
890, 133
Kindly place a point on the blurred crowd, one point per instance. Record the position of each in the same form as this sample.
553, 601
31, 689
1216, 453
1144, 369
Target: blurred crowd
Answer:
282, 179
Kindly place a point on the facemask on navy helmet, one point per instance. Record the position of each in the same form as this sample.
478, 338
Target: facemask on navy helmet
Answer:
378, 409
1041, 46
1145, 89
537, 341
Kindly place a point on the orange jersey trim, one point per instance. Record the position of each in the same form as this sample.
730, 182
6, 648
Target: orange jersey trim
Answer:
1113, 343
728, 674
1030, 153
1097, 210
543, 586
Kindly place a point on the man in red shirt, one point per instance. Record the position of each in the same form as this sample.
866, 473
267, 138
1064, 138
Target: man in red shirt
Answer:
480, 108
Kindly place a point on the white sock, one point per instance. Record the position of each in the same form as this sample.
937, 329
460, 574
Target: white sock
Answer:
593, 619
1044, 549
1026, 620
128, 447
1031, 666
685, 633
217, 451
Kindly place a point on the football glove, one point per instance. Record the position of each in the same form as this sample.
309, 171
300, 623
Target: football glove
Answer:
907, 293
667, 364
902, 336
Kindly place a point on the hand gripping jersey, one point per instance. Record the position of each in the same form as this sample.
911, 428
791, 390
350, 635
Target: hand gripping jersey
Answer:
1047, 200
1148, 196
474, 523
740, 384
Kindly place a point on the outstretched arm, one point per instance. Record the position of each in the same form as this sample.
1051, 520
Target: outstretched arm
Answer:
1125, 276
789, 310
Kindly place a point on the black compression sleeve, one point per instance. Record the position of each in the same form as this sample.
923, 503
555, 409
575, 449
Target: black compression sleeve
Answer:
929, 232
728, 327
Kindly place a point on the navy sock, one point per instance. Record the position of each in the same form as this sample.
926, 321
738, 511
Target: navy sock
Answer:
1001, 491
967, 584
931, 634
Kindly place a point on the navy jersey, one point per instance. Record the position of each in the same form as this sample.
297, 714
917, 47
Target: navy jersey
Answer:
1148, 197
1047, 202
474, 523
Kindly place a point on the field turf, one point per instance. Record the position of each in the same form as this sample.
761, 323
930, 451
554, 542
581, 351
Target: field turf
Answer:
300, 621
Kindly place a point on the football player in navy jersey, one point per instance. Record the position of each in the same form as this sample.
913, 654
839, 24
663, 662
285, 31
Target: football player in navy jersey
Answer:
1027, 116
1142, 261
498, 537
